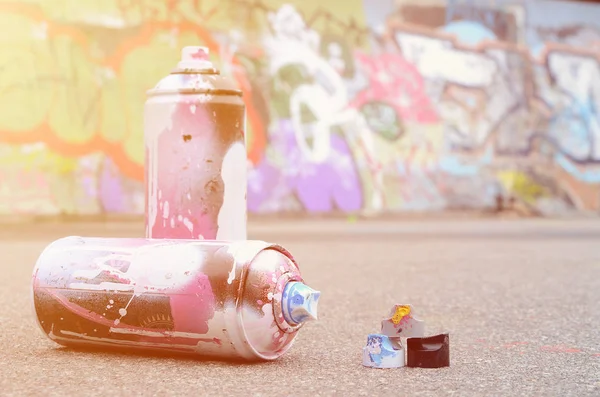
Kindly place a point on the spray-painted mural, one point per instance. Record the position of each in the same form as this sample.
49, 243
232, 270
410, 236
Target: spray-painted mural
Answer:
395, 106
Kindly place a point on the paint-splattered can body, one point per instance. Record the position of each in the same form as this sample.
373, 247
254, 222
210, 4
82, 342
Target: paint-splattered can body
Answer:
196, 164
207, 298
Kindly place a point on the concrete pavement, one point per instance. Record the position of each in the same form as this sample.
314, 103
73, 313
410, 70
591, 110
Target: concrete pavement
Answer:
520, 299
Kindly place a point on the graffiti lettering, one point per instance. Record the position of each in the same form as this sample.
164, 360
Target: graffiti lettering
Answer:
432, 107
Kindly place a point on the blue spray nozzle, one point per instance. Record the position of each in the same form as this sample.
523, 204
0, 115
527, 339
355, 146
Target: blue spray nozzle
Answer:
299, 303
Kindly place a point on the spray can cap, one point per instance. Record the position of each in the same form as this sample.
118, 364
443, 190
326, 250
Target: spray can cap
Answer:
195, 74
299, 303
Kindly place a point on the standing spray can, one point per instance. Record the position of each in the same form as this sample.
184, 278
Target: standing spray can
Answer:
239, 300
196, 164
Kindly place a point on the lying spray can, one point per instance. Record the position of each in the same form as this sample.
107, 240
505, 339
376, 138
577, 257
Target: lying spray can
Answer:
243, 300
196, 164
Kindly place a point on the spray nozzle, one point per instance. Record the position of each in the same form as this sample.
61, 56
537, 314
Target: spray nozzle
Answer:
299, 303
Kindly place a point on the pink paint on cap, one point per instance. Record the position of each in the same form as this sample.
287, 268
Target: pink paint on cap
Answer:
195, 57
194, 53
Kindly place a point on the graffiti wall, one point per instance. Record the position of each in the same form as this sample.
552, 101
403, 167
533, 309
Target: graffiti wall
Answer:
359, 107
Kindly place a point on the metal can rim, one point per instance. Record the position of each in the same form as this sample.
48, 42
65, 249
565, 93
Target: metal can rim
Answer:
34, 274
213, 71
191, 91
242, 288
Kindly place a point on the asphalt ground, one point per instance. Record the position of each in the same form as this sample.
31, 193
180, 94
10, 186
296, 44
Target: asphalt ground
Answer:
520, 299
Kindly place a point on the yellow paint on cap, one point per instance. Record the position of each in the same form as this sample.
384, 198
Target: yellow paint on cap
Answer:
401, 312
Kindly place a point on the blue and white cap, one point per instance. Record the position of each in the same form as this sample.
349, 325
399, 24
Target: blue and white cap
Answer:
299, 303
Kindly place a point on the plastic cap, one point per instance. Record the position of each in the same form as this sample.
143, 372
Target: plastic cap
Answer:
299, 303
382, 352
195, 57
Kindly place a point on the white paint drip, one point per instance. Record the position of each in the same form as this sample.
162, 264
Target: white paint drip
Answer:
232, 215
151, 266
188, 224
172, 334
231, 276
232, 249
166, 210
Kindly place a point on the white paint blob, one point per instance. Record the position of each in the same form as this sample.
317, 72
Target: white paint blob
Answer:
232, 216
188, 224
166, 210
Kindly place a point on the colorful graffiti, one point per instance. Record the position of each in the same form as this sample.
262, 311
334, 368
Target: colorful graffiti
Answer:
354, 109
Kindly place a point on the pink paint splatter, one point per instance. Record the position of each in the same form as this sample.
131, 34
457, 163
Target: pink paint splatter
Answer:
397, 82
200, 55
193, 305
188, 180
513, 344
560, 349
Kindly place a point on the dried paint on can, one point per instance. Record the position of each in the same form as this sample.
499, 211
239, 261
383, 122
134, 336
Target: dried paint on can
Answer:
202, 297
196, 164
